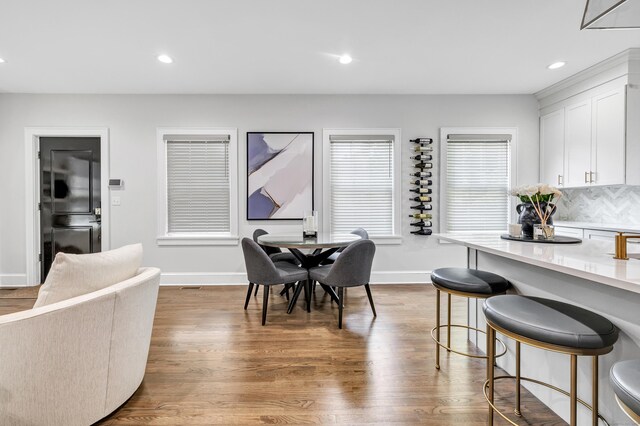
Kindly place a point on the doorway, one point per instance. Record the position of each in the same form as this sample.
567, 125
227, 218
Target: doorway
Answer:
66, 195
70, 200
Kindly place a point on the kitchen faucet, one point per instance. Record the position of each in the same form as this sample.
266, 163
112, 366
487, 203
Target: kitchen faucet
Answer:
621, 245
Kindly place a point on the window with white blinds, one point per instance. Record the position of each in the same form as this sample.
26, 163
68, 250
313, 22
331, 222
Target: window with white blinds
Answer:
198, 194
477, 182
362, 184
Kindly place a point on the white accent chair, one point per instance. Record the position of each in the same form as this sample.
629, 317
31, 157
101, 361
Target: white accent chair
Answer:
75, 361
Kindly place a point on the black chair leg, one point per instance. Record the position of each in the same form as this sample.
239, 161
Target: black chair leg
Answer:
285, 290
257, 287
307, 293
340, 305
265, 302
373, 307
246, 302
295, 296
305, 289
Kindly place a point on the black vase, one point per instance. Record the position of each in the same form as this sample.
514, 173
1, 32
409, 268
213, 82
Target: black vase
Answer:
528, 217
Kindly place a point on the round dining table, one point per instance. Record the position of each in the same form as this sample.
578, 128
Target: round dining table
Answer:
318, 248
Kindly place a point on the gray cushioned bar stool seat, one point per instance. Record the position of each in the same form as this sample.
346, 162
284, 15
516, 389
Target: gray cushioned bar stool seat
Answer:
551, 322
464, 282
551, 325
625, 379
469, 280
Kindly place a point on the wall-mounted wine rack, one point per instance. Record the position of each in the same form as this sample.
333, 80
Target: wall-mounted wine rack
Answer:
422, 179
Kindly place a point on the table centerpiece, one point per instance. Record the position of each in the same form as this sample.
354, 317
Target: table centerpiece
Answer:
536, 210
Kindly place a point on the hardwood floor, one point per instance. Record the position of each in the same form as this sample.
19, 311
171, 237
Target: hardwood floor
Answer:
19, 299
213, 363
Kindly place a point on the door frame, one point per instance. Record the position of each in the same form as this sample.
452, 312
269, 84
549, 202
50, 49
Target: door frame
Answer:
32, 137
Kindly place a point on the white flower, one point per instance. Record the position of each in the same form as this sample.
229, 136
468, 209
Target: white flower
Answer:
545, 189
529, 190
550, 190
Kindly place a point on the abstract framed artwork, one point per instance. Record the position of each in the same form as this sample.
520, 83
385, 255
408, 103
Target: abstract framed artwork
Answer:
279, 175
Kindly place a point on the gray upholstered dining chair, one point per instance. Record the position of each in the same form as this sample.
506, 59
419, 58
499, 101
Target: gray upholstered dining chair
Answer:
351, 269
261, 270
275, 254
358, 231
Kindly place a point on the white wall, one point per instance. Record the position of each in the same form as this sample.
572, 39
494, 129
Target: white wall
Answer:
132, 121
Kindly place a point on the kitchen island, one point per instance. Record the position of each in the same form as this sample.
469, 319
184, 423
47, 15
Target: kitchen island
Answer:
583, 274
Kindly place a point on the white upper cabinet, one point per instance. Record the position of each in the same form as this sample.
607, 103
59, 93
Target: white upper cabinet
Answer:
552, 148
608, 140
584, 143
577, 158
594, 116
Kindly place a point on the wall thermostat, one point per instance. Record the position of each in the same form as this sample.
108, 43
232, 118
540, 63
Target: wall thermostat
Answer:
116, 183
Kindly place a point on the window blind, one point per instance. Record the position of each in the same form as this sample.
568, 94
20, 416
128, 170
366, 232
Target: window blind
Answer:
198, 185
362, 184
477, 182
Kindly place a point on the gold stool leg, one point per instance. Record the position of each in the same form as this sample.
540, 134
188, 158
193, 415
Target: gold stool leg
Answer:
437, 329
491, 359
488, 337
574, 390
594, 393
517, 410
448, 321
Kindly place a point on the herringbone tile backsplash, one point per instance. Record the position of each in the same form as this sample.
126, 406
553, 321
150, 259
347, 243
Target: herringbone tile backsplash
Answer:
601, 204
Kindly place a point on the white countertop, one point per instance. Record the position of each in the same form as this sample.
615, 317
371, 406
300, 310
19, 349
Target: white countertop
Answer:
591, 260
615, 227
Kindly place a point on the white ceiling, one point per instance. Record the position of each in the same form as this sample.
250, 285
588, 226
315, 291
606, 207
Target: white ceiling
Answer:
290, 46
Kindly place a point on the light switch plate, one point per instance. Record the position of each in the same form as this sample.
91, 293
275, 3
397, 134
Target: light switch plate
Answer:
115, 201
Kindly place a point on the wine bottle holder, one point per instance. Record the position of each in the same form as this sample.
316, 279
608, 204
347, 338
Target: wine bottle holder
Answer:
421, 181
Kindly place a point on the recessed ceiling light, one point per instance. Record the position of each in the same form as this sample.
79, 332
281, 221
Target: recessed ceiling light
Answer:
556, 65
345, 59
165, 59
2, 61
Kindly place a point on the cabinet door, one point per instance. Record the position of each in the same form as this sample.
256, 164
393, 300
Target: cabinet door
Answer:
577, 144
608, 141
552, 148
569, 232
596, 234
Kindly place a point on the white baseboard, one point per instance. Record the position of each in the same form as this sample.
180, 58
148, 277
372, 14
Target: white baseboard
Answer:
237, 278
400, 277
203, 278
240, 278
14, 280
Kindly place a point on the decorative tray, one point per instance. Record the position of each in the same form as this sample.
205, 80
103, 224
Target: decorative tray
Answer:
558, 239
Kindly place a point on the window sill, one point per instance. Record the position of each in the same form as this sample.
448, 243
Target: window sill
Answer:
387, 240
197, 240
